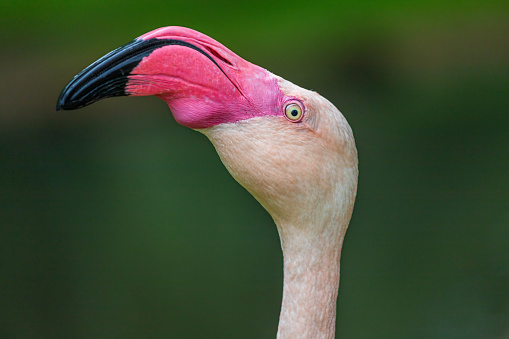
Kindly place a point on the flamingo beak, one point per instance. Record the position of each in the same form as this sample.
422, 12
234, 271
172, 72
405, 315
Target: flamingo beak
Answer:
110, 75
203, 83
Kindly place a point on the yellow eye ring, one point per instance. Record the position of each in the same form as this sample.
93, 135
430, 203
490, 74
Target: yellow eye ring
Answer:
293, 112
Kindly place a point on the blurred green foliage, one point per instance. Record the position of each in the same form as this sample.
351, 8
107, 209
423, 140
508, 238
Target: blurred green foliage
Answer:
117, 222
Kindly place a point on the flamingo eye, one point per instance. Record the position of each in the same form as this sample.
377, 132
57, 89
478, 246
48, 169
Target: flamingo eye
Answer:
293, 112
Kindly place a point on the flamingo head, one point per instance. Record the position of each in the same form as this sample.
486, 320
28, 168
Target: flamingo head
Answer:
289, 147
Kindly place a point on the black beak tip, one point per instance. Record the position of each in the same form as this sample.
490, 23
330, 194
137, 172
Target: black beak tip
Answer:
66, 103
72, 98
60, 103
63, 103
108, 76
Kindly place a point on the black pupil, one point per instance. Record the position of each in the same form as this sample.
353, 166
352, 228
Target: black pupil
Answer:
294, 112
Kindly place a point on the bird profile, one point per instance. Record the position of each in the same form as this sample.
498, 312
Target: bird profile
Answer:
289, 147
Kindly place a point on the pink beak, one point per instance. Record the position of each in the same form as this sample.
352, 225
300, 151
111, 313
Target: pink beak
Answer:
203, 82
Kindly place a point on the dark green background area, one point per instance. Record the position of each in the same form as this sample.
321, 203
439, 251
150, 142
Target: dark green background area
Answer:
116, 222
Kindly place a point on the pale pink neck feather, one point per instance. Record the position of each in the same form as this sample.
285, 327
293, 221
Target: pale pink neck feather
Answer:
311, 281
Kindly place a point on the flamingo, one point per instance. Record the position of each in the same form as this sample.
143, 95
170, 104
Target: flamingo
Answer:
289, 147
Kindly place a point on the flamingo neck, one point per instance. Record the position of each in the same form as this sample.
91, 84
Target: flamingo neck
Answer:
311, 281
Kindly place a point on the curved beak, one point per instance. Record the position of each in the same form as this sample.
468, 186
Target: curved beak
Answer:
108, 76
203, 82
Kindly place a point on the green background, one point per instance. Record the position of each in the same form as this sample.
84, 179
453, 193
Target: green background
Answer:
116, 222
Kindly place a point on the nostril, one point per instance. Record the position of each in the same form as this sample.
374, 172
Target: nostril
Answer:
217, 55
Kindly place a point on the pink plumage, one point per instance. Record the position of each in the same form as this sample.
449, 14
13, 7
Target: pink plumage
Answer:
289, 147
